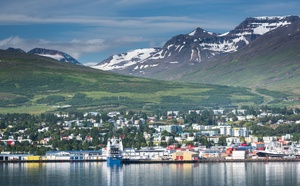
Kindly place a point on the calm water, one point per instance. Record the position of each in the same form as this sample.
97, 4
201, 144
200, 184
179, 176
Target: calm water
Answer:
240, 174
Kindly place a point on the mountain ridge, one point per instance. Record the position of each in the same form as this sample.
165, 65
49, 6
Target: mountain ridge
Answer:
271, 61
185, 53
211, 44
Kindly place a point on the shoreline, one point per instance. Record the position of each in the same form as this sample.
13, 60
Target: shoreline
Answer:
158, 161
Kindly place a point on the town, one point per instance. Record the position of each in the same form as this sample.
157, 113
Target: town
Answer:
206, 133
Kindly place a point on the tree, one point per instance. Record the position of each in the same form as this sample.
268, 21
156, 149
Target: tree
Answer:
165, 133
2, 125
104, 117
222, 141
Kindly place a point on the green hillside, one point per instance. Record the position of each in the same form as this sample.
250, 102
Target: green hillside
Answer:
272, 62
35, 84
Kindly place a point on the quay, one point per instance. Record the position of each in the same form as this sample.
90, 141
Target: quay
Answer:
143, 161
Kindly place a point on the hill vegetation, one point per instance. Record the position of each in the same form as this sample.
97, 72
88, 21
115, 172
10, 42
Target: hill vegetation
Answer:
270, 62
35, 84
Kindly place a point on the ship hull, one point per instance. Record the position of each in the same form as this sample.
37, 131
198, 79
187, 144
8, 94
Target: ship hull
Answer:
114, 160
269, 154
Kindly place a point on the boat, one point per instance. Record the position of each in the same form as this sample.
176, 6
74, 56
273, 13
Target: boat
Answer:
114, 151
270, 154
275, 149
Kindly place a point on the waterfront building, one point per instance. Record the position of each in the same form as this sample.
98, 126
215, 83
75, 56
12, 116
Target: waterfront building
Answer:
237, 155
209, 153
185, 155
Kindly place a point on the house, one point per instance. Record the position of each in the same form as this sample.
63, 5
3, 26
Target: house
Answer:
250, 117
190, 138
98, 125
168, 138
209, 132
239, 111
91, 114
43, 129
225, 130
241, 118
195, 126
196, 111
233, 140
151, 119
45, 141
113, 114
179, 139
172, 113
214, 139
269, 138
61, 115
251, 139
89, 138
209, 153
170, 128
240, 131
218, 111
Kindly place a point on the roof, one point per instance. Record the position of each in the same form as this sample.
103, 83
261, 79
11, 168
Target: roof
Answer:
185, 152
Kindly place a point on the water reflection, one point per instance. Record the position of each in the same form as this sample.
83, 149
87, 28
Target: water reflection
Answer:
98, 173
115, 174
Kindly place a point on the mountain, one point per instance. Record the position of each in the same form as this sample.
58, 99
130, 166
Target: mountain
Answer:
272, 62
122, 61
60, 56
189, 52
15, 50
35, 84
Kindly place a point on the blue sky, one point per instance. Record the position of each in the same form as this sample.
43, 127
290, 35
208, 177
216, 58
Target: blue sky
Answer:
93, 30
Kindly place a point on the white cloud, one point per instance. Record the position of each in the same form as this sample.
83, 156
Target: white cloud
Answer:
99, 25
74, 47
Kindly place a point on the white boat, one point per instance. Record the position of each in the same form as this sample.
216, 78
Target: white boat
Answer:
114, 151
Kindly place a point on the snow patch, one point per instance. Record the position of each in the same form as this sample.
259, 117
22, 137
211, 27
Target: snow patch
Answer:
262, 28
271, 17
192, 33
56, 56
221, 35
122, 61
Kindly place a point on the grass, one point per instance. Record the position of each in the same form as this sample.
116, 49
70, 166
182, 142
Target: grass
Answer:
32, 109
37, 78
269, 68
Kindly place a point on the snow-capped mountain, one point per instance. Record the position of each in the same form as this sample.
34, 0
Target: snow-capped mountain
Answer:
121, 61
195, 47
57, 55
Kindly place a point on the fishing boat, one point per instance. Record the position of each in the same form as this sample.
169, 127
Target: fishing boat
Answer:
114, 151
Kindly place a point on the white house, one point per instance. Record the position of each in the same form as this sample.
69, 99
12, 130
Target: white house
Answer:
233, 140
225, 130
